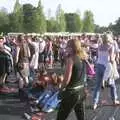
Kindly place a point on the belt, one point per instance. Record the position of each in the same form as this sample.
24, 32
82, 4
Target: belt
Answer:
77, 87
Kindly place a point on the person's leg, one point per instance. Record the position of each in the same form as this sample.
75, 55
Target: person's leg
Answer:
113, 91
26, 81
51, 60
1, 82
80, 110
66, 107
32, 74
15, 69
26, 74
21, 83
4, 78
99, 75
45, 57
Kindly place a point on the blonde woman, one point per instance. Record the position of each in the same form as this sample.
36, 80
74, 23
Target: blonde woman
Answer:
106, 54
73, 83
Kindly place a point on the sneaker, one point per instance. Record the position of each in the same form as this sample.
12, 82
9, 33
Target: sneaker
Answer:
27, 116
116, 102
49, 110
103, 84
35, 109
37, 101
95, 106
112, 118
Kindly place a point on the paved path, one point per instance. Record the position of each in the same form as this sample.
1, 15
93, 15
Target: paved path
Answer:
12, 109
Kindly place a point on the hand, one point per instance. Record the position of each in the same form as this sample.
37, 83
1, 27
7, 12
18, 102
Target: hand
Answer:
117, 60
111, 61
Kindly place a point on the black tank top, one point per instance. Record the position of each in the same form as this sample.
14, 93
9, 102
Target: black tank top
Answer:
78, 73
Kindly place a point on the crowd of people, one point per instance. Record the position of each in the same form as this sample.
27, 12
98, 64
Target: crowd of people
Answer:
79, 57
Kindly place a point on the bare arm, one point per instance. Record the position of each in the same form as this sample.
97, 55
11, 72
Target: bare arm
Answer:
17, 54
30, 42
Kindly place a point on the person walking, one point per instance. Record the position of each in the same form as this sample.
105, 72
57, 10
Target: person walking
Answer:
74, 80
22, 62
106, 54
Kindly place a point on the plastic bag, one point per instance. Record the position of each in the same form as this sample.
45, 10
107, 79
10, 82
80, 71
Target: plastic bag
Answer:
90, 69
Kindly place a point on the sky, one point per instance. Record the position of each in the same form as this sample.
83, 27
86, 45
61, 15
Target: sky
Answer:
104, 11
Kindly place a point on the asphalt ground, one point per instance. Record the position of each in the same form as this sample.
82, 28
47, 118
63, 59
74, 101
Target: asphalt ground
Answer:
12, 109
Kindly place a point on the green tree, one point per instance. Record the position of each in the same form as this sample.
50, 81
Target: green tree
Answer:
49, 14
17, 6
4, 20
88, 22
17, 18
73, 22
79, 21
100, 29
40, 20
28, 18
12, 23
116, 27
60, 19
52, 25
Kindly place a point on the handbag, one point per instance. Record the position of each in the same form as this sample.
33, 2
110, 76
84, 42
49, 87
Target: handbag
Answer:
90, 69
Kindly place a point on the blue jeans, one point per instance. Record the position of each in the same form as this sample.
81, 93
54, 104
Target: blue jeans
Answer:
99, 76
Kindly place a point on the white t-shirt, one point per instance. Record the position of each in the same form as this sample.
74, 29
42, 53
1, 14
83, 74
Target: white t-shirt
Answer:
116, 47
63, 44
103, 55
42, 45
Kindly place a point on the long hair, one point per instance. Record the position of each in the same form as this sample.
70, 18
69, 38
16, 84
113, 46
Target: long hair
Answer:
107, 38
77, 49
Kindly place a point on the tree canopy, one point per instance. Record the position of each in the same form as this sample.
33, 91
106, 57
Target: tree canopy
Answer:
28, 18
60, 19
88, 22
73, 22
